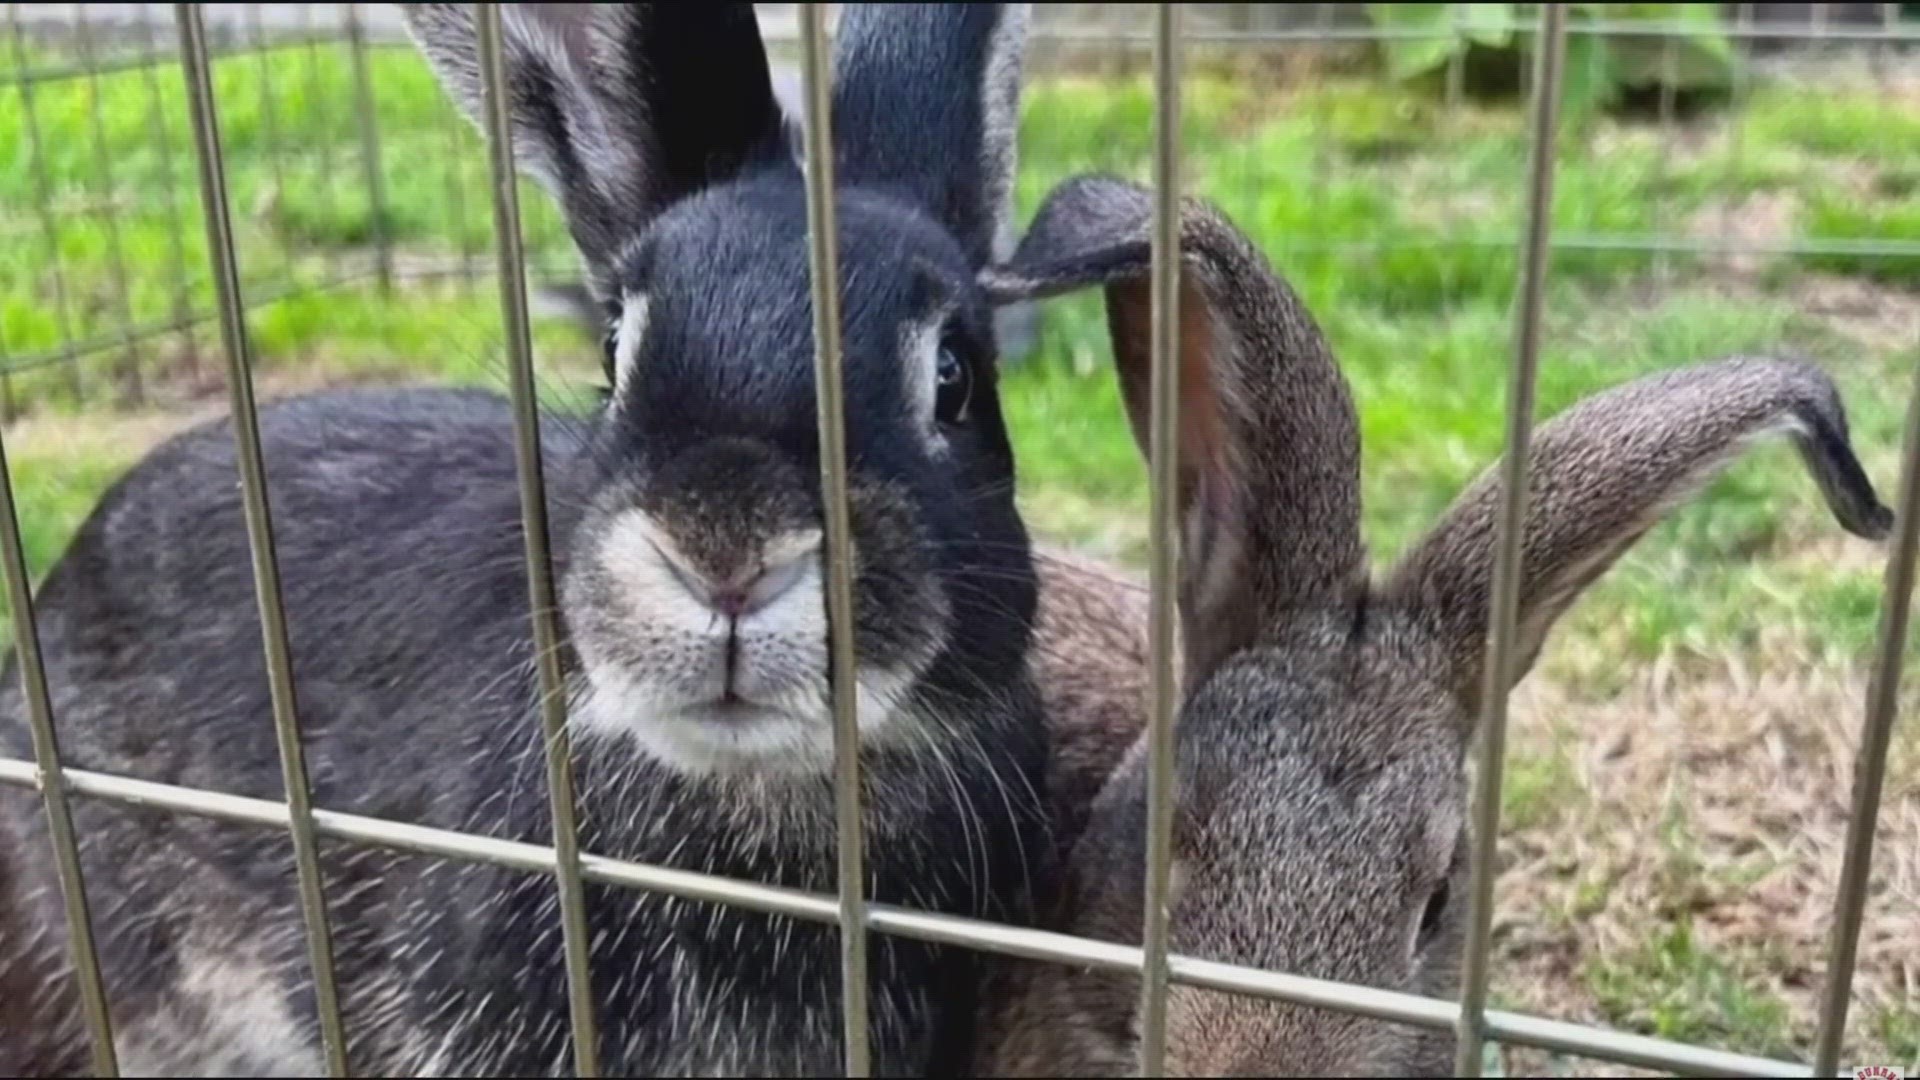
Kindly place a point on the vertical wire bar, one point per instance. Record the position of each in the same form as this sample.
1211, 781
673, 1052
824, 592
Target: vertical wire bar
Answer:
1323, 143
266, 570
270, 136
103, 163
176, 229
43, 203
533, 517
1455, 94
1668, 105
1456, 87
1163, 451
1741, 97
53, 781
1889, 24
316, 93
1507, 565
1870, 768
824, 275
9, 409
457, 196
370, 148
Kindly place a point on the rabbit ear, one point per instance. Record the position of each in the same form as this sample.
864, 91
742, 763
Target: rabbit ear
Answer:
1604, 473
617, 109
926, 98
1269, 443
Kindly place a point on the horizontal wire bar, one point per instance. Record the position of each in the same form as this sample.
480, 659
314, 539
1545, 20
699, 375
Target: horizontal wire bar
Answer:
429, 269
1041, 945
1445, 31
778, 33
121, 338
38, 76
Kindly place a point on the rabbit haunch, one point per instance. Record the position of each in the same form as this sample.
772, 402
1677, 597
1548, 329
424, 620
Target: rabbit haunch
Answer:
1320, 821
685, 516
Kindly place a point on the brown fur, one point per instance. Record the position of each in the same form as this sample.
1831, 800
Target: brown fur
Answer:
1320, 809
1090, 659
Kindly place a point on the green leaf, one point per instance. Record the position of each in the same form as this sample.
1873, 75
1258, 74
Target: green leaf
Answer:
1412, 16
1409, 57
1487, 24
1589, 83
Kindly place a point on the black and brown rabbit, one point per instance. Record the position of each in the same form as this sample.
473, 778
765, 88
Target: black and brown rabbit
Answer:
687, 519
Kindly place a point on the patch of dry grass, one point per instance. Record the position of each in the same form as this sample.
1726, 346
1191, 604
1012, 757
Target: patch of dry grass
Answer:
1679, 882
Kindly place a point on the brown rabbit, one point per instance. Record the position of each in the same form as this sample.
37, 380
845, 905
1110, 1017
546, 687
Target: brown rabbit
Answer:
1320, 825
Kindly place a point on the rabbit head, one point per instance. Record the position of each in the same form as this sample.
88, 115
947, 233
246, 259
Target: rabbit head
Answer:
1319, 824
692, 591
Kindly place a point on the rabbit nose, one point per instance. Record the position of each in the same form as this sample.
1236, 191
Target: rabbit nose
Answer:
751, 589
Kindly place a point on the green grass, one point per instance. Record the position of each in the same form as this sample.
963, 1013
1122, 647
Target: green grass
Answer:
1900, 1032
1391, 216
1395, 219
1701, 997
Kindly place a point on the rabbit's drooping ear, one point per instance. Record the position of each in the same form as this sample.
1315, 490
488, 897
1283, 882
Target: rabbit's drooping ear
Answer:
1603, 474
617, 109
1269, 490
926, 99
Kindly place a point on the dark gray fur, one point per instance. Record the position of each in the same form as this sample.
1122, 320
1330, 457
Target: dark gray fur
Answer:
1321, 823
400, 547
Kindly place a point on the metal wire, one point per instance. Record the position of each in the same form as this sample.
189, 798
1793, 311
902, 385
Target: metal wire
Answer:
43, 199
1507, 557
50, 777
1163, 557
276, 150
266, 571
370, 149
849, 909
110, 221
316, 93
266, 575
824, 276
1870, 768
533, 520
1427, 1013
182, 306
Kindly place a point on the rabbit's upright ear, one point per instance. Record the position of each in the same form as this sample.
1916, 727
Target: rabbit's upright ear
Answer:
1269, 478
617, 109
926, 100
1602, 474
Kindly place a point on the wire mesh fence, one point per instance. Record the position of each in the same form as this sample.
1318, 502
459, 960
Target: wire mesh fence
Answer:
309, 185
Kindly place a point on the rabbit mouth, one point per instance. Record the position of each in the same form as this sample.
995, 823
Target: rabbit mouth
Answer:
791, 732
723, 670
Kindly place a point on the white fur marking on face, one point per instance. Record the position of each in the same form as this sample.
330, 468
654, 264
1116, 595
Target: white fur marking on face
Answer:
627, 336
920, 357
655, 676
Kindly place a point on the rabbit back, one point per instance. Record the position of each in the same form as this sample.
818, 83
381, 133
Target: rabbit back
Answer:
415, 697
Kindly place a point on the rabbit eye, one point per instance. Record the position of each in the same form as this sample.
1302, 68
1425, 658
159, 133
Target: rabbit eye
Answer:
609, 345
954, 387
1435, 910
